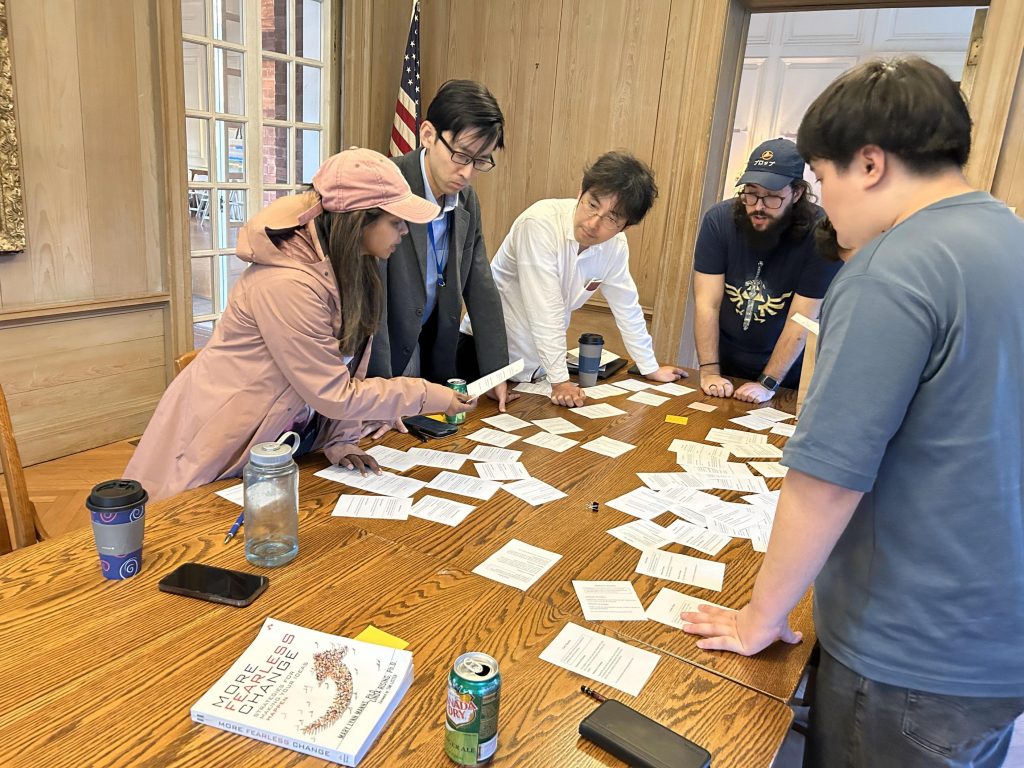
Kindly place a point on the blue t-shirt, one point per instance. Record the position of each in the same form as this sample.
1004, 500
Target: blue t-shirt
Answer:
759, 287
918, 400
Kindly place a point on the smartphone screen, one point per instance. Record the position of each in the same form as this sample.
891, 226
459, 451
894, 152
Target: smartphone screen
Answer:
218, 585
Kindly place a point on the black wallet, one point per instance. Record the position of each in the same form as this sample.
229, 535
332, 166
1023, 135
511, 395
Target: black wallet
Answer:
639, 741
427, 427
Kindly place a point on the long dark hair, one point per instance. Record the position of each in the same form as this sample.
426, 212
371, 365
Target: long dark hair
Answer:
360, 288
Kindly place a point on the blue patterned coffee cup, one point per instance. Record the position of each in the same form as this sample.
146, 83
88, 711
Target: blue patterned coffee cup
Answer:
118, 512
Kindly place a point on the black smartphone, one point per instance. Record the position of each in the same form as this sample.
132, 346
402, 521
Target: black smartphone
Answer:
218, 585
429, 427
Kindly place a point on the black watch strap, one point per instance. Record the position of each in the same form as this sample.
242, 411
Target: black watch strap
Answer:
768, 382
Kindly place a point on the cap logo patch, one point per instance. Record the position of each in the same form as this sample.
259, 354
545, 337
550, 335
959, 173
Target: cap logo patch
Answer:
767, 155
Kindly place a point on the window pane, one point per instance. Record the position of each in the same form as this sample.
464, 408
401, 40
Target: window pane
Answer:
307, 155
196, 130
307, 94
202, 286
307, 28
193, 17
232, 268
199, 219
227, 20
275, 89
201, 333
230, 151
275, 25
230, 216
270, 195
194, 60
275, 155
229, 85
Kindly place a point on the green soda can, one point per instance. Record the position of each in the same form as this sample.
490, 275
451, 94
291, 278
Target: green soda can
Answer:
459, 385
471, 714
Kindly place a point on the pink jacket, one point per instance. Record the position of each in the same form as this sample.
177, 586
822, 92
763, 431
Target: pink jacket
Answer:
274, 351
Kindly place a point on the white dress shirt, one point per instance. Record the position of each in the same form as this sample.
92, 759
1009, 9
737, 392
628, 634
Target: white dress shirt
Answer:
542, 277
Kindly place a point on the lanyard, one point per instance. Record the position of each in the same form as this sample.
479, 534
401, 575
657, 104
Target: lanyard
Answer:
439, 267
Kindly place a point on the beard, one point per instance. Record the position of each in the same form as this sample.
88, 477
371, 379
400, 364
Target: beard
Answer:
761, 240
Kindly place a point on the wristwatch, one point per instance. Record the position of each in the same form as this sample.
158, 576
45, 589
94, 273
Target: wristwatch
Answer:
768, 382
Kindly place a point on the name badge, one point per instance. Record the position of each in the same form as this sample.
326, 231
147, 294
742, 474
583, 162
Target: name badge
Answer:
593, 285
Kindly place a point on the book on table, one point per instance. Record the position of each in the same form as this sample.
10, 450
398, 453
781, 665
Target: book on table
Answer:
310, 691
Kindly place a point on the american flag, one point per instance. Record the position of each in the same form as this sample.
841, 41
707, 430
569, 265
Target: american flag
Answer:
405, 129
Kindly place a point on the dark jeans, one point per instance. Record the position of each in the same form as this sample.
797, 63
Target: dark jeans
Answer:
465, 358
859, 723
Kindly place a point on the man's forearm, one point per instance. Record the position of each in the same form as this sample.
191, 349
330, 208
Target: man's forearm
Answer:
811, 516
787, 349
705, 331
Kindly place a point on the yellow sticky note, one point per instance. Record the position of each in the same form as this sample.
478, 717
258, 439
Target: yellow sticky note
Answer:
435, 416
379, 637
670, 419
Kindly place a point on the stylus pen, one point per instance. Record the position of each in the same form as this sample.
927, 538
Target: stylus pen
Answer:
235, 526
423, 438
592, 693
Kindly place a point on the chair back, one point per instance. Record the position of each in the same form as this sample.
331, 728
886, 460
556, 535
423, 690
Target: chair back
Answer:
184, 360
19, 528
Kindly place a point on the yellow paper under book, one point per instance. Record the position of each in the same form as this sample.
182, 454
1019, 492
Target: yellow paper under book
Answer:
379, 637
670, 419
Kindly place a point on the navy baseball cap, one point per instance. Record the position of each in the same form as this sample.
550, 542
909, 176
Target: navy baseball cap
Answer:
775, 163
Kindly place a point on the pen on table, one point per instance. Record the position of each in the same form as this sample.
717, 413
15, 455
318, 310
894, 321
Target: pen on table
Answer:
592, 693
423, 438
235, 526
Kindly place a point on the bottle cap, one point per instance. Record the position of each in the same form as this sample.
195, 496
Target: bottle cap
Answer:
270, 454
591, 338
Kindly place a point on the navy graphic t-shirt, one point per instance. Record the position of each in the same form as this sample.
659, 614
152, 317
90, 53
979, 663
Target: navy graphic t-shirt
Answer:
759, 287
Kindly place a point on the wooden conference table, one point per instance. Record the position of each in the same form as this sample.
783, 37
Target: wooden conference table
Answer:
104, 673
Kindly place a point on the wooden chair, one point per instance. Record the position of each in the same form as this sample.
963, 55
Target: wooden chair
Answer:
184, 360
21, 526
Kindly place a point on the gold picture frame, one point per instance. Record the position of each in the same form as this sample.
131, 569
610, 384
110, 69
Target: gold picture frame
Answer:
12, 207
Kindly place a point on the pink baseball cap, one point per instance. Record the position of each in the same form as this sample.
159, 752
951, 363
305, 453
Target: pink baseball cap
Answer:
356, 179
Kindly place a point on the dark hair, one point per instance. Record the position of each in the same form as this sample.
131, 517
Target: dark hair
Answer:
466, 105
906, 106
799, 220
826, 241
623, 175
360, 288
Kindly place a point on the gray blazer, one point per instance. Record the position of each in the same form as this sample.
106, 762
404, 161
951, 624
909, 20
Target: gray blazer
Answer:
467, 280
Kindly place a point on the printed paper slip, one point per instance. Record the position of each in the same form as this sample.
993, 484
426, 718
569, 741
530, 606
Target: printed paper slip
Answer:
602, 390
517, 564
491, 380
673, 419
598, 411
492, 437
542, 388
389, 458
772, 414
633, 385
427, 457
642, 534
717, 435
507, 422
573, 356
699, 406
373, 507
675, 390
682, 568
551, 442
769, 468
642, 503
234, 493
786, 430
490, 453
464, 485
533, 491
701, 539
660, 481
501, 470
753, 422
609, 601
692, 450
438, 510
557, 425
669, 604
608, 447
810, 325
648, 398
754, 450
602, 659
386, 483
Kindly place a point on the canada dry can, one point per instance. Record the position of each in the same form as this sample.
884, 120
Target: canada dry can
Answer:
459, 385
471, 714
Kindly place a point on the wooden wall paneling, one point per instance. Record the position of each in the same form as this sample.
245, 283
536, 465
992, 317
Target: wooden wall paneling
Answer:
703, 60
108, 83
512, 48
356, 72
999, 68
56, 267
436, 42
608, 86
1008, 183
390, 30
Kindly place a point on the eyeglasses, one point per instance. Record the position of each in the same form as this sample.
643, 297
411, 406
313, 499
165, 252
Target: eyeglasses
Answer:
592, 207
771, 202
480, 163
